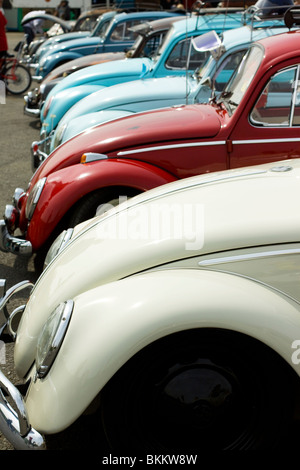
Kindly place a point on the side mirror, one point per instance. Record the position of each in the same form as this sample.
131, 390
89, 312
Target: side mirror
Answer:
206, 42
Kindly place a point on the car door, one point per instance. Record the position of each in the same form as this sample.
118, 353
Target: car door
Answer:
269, 129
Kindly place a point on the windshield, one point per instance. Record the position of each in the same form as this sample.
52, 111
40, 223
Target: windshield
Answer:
146, 47
164, 44
205, 70
215, 76
100, 29
241, 79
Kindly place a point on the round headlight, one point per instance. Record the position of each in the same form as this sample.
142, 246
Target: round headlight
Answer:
58, 244
33, 198
59, 134
52, 336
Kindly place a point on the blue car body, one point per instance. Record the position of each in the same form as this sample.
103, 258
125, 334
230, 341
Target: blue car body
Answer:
144, 95
175, 57
112, 37
53, 44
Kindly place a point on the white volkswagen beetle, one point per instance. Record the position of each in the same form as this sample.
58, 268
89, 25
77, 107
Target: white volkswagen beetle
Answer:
178, 310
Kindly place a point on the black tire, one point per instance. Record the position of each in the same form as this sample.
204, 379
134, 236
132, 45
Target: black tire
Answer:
198, 390
97, 202
22, 82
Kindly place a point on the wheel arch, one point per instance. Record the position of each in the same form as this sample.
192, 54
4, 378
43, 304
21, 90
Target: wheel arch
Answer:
65, 189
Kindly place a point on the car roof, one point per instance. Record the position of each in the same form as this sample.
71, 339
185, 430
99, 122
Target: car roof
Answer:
155, 25
285, 45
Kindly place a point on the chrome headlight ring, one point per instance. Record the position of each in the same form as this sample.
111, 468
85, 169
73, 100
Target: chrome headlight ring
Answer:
33, 198
57, 246
52, 336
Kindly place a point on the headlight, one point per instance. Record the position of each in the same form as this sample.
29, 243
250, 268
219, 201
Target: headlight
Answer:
33, 198
58, 137
47, 106
58, 245
52, 336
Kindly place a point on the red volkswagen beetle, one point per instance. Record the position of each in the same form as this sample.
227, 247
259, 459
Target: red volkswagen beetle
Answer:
255, 120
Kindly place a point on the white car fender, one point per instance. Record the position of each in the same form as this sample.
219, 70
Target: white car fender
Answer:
113, 322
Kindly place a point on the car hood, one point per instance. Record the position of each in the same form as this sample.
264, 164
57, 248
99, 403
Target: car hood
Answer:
184, 122
104, 71
122, 96
73, 41
251, 212
85, 61
55, 42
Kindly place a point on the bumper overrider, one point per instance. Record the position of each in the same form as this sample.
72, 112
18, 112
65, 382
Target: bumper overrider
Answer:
14, 423
32, 106
37, 154
8, 242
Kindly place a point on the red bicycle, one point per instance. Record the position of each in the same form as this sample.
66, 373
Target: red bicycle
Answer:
16, 76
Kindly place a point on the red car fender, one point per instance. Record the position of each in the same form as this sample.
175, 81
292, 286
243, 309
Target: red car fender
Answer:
66, 186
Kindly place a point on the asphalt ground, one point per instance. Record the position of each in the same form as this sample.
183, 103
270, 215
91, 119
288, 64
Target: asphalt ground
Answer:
17, 132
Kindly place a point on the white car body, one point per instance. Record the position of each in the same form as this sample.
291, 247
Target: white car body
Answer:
236, 269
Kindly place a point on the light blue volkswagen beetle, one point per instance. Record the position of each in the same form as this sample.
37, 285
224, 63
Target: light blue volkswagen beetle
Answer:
175, 57
144, 95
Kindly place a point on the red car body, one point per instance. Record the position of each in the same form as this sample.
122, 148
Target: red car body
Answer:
137, 153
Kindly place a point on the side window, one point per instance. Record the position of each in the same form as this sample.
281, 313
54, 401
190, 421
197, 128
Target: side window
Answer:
153, 44
184, 55
122, 31
178, 56
118, 33
275, 107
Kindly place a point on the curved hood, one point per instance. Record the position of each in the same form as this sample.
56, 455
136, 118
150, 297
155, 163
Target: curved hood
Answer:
68, 130
105, 74
128, 240
52, 44
184, 122
74, 41
85, 61
124, 99
107, 71
125, 95
74, 95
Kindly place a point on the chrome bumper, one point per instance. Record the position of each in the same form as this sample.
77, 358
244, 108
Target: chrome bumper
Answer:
14, 423
37, 156
31, 107
37, 78
11, 244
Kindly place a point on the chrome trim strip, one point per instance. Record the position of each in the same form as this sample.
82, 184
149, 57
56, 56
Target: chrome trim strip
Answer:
173, 146
264, 141
246, 257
